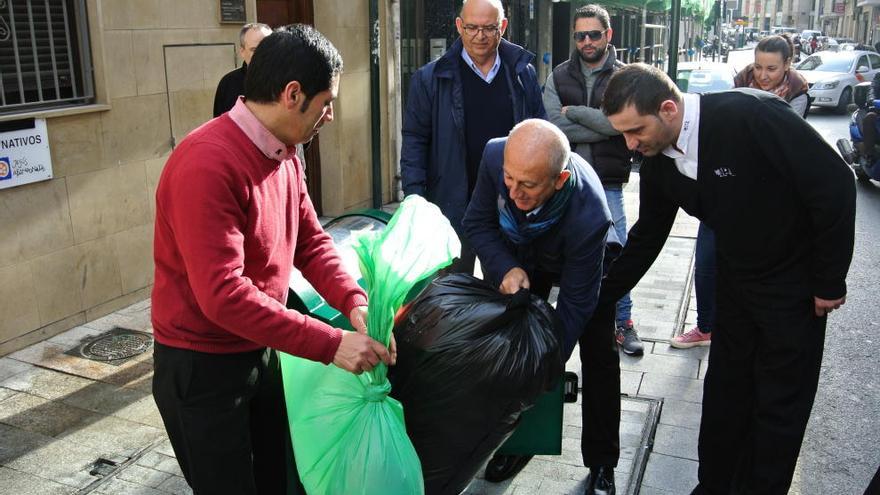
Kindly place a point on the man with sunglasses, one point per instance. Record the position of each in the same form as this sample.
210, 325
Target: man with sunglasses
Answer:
572, 97
476, 91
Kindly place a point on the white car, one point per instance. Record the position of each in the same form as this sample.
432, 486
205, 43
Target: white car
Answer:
703, 77
832, 76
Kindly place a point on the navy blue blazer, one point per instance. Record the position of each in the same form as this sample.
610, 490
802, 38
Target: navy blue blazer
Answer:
571, 253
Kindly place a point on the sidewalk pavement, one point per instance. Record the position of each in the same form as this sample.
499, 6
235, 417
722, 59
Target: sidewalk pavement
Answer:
71, 425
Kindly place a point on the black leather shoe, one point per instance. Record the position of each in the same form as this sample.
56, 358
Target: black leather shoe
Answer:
600, 481
503, 467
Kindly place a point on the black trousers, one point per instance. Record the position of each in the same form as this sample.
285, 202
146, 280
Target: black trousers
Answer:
759, 388
600, 390
600, 387
226, 418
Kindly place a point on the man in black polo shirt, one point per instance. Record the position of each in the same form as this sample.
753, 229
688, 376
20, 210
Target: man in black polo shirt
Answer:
783, 212
476, 91
232, 84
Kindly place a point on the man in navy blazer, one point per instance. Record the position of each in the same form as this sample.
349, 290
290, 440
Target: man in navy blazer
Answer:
478, 90
538, 218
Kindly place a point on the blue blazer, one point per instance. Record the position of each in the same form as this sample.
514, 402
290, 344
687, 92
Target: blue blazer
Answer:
432, 156
571, 253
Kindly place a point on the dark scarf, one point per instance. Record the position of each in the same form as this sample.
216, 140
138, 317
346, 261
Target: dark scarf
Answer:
530, 229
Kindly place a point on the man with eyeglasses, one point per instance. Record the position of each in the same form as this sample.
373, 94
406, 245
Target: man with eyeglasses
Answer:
478, 90
572, 97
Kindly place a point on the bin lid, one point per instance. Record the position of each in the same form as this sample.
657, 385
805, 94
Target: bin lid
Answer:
342, 229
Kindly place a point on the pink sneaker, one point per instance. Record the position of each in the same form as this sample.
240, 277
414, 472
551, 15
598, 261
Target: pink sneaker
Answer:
692, 338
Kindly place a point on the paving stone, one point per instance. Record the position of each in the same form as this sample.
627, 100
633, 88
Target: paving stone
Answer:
117, 319
51, 355
75, 336
142, 411
46, 383
137, 307
565, 487
143, 475
160, 462
6, 393
630, 382
672, 387
136, 374
669, 473
676, 441
176, 485
118, 486
62, 462
164, 447
39, 415
17, 442
104, 398
10, 367
114, 434
681, 413
483, 487
666, 365
18, 483
664, 348
622, 474
648, 490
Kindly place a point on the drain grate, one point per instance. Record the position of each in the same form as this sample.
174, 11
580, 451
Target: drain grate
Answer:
114, 347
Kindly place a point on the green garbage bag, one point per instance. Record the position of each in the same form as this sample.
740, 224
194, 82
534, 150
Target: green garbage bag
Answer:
348, 436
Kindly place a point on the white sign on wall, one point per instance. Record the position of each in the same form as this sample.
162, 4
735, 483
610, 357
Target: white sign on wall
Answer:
24, 152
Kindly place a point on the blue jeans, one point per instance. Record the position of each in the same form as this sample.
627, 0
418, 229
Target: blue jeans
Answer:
704, 278
614, 196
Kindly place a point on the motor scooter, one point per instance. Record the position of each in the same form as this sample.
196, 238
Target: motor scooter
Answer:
866, 165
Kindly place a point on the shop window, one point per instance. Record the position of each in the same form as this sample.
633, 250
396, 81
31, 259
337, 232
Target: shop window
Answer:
45, 58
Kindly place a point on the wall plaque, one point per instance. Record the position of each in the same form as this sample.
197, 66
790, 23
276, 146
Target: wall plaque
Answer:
232, 12
24, 152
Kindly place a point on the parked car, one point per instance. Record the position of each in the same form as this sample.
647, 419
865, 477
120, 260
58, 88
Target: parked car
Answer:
832, 76
807, 34
702, 77
852, 45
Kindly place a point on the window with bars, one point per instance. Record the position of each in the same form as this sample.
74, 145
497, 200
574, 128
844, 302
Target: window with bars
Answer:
44, 55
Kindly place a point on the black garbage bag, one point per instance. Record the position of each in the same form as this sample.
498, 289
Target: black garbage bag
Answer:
470, 360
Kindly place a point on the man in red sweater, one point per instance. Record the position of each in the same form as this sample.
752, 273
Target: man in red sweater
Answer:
232, 218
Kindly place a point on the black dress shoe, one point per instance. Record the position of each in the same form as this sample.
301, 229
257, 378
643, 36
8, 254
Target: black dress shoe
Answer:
503, 467
600, 481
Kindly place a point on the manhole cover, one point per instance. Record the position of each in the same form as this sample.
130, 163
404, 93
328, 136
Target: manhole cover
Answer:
114, 346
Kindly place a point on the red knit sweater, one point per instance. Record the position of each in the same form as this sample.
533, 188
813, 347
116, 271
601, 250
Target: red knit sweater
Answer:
230, 223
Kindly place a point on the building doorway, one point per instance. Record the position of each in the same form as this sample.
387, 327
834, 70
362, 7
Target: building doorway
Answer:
279, 13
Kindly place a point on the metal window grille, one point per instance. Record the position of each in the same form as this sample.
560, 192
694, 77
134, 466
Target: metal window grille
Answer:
44, 55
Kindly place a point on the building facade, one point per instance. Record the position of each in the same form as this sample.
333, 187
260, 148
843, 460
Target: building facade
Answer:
119, 83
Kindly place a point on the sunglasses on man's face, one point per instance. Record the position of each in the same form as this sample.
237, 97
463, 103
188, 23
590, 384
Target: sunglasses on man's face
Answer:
594, 35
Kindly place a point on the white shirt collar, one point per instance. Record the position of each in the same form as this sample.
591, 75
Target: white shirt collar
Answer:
685, 155
492, 72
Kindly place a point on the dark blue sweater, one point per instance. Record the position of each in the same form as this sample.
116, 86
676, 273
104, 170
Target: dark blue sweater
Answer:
570, 254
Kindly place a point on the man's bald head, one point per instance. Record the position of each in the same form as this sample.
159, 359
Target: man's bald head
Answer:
543, 141
534, 160
470, 6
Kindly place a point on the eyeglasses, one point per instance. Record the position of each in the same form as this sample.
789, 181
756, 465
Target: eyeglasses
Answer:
594, 35
473, 31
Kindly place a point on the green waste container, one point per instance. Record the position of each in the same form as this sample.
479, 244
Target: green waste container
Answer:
303, 297
540, 429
